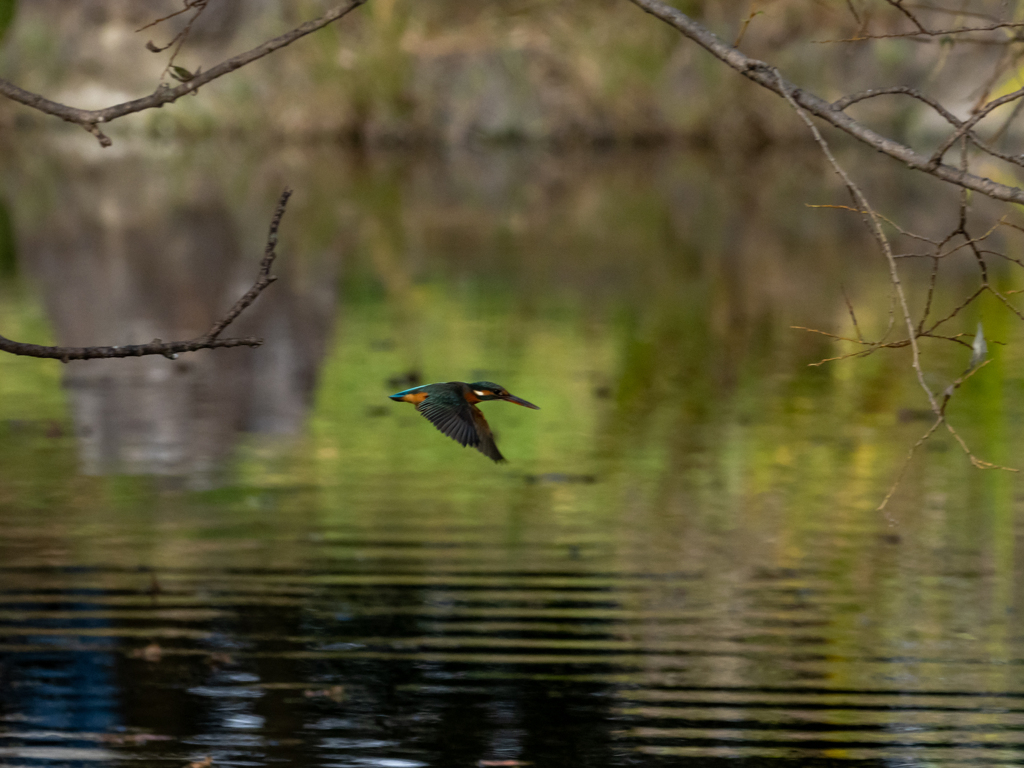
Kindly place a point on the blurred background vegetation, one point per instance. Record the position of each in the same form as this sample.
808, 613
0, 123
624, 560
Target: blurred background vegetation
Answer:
450, 72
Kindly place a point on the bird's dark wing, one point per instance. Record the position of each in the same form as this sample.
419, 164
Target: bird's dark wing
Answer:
453, 418
486, 445
462, 422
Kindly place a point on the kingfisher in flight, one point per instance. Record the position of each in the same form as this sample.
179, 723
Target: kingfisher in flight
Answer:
451, 407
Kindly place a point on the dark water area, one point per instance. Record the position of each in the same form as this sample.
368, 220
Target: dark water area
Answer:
253, 556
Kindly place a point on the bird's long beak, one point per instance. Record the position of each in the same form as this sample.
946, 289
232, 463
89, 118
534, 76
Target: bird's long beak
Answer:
520, 401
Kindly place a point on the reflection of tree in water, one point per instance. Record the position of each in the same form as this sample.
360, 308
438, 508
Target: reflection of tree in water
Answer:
727, 509
118, 261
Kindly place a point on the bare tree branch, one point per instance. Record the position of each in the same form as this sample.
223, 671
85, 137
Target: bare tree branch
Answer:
765, 75
263, 280
172, 349
91, 119
871, 93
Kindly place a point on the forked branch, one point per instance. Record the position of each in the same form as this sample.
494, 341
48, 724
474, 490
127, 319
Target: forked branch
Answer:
171, 349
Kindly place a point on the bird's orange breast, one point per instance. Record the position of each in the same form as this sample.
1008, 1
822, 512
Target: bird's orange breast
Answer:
415, 397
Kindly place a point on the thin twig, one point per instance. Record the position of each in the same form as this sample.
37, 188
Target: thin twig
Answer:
745, 24
853, 12
956, 310
930, 33
835, 336
898, 4
897, 90
1005, 301
264, 279
189, 5
875, 345
853, 315
958, 12
906, 463
884, 218
178, 41
931, 294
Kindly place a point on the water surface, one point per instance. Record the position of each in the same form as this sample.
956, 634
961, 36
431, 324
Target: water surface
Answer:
254, 556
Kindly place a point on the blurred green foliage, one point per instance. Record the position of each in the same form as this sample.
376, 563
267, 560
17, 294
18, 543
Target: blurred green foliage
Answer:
7, 9
8, 256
